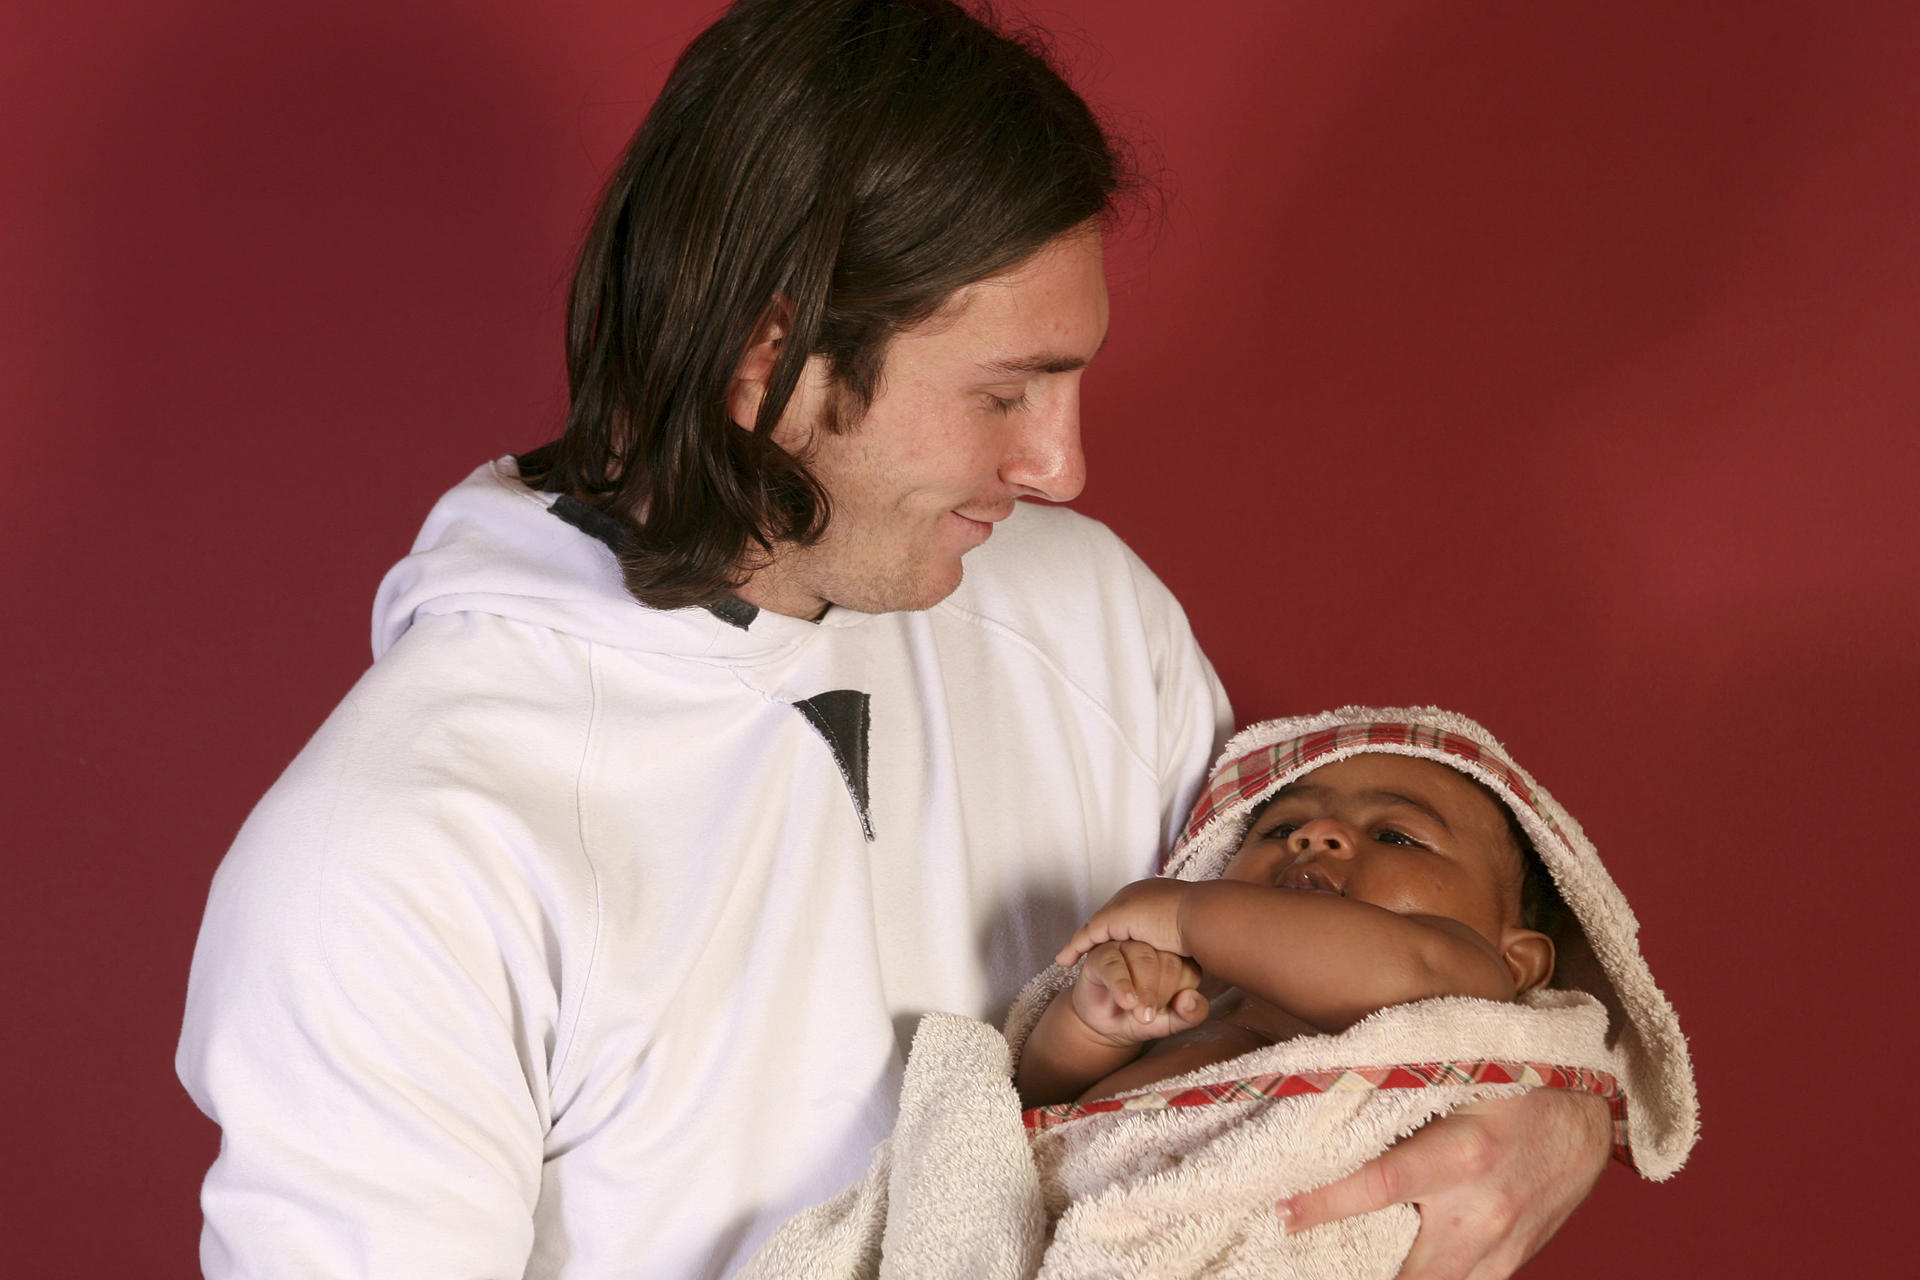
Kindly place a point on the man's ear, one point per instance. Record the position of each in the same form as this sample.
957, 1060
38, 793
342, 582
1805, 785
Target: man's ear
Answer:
1529, 957
748, 390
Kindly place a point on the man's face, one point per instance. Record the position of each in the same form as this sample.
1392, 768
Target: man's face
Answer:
976, 408
1410, 835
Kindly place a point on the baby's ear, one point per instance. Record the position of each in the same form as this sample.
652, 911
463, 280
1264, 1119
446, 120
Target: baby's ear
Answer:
1529, 957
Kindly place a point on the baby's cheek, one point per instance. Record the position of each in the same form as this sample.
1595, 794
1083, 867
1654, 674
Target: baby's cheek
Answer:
1241, 867
1412, 892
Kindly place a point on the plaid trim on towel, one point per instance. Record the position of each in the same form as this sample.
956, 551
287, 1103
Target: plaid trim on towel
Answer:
1255, 771
1406, 1075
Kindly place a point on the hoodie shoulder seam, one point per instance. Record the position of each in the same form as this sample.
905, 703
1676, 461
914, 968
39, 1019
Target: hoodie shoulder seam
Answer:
1058, 671
563, 1054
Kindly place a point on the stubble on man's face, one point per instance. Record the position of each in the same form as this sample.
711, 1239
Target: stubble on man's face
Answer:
974, 410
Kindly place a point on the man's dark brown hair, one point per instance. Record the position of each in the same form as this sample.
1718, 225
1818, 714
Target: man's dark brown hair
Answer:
854, 160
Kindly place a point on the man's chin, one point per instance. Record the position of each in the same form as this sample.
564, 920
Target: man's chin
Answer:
908, 595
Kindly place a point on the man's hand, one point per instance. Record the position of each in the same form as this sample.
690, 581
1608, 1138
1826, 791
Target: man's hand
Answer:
1493, 1182
1145, 911
1132, 992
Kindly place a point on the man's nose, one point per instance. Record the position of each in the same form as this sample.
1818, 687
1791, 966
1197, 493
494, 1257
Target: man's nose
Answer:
1046, 460
1323, 836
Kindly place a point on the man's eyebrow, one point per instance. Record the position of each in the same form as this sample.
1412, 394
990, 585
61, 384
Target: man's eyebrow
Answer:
1042, 362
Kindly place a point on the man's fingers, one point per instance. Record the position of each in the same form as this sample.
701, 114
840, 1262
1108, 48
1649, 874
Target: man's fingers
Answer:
1472, 1246
1493, 1181
1459, 1252
1374, 1185
1418, 1166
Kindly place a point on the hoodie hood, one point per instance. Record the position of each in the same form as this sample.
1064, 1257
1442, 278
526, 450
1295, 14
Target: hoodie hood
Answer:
1599, 949
492, 545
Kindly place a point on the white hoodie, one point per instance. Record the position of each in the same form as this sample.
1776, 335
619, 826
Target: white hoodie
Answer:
563, 948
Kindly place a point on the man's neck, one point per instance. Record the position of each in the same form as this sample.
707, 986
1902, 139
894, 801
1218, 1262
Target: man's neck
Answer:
771, 588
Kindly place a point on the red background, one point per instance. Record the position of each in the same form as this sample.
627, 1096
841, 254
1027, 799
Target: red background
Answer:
1552, 362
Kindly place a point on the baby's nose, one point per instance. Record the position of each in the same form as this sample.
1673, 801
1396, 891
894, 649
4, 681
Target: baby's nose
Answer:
1323, 836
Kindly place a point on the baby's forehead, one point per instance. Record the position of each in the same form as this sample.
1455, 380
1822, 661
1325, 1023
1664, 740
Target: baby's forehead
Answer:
1374, 772
1389, 780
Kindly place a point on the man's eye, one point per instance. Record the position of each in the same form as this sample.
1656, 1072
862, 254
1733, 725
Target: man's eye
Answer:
1006, 404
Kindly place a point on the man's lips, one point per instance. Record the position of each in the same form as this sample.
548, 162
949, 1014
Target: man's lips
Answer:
981, 525
986, 515
974, 531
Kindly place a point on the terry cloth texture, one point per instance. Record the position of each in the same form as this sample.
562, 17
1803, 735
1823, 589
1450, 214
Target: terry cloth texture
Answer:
1180, 1181
1599, 951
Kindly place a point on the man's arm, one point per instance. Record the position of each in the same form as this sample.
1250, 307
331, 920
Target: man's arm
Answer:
374, 1105
1326, 959
376, 990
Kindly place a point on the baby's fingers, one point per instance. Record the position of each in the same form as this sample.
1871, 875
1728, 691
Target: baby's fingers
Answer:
1108, 963
1084, 939
1182, 1010
1180, 977
1146, 972
1187, 1009
1158, 977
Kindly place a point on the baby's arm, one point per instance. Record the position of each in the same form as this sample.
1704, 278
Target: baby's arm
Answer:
1125, 995
1326, 959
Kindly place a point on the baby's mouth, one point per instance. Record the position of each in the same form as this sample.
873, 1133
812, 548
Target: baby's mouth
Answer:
1309, 877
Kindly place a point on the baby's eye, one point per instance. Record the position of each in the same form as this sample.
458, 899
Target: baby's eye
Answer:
1282, 831
1387, 835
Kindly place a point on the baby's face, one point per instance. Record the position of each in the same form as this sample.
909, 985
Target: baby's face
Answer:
1410, 835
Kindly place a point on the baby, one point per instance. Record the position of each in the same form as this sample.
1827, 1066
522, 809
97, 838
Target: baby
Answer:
1373, 881
1277, 1009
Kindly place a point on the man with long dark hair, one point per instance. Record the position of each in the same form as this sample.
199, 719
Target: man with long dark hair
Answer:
583, 938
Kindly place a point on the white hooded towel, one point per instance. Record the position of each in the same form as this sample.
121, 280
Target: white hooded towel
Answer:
1180, 1180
